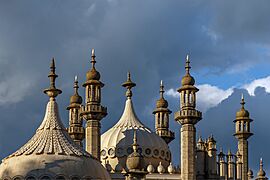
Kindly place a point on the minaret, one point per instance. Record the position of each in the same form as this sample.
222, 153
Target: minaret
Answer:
162, 114
92, 111
231, 165
75, 129
238, 166
242, 133
188, 116
201, 158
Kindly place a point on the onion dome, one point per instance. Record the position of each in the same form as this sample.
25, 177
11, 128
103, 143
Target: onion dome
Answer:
76, 98
188, 80
93, 74
242, 113
150, 168
161, 103
135, 159
115, 143
261, 174
160, 168
51, 153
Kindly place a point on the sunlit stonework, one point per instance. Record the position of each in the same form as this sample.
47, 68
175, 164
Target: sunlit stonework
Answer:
129, 149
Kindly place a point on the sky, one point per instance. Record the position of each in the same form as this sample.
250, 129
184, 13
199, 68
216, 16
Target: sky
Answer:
228, 43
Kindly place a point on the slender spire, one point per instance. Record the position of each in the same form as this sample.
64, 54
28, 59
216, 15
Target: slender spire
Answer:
52, 91
261, 164
243, 101
129, 85
187, 67
161, 91
93, 58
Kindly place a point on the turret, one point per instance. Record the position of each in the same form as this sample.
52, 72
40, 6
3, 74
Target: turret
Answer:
93, 112
75, 129
212, 155
231, 165
162, 115
222, 165
201, 158
188, 116
250, 174
239, 165
242, 133
261, 175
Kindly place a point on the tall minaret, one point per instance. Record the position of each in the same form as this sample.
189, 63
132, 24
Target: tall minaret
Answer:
242, 133
162, 115
93, 112
188, 116
75, 129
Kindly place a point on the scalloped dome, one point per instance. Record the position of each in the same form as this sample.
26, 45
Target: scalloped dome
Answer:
93, 74
188, 80
52, 153
116, 142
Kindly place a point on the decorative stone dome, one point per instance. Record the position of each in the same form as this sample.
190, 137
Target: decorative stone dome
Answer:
162, 103
93, 74
242, 113
188, 80
51, 153
116, 142
75, 99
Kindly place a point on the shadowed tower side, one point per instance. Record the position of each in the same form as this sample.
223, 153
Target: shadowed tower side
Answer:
93, 111
242, 133
188, 116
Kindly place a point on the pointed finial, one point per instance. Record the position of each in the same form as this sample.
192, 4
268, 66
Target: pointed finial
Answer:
135, 145
93, 58
161, 90
52, 91
76, 85
261, 163
128, 84
243, 101
187, 67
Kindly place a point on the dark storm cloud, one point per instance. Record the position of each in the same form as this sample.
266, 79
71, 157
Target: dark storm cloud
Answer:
149, 38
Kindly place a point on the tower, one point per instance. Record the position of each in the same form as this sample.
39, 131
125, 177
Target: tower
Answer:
242, 133
212, 156
261, 175
75, 129
188, 116
162, 115
93, 111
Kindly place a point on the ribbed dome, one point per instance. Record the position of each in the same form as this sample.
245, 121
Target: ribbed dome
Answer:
52, 153
188, 80
93, 74
76, 99
116, 142
242, 113
162, 103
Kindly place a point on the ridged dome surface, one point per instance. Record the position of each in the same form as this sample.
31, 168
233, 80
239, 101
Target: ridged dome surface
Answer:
116, 142
51, 154
76, 99
162, 103
93, 74
188, 80
242, 113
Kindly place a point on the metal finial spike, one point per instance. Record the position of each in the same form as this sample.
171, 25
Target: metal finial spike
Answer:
93, 58
187, 67
161, 90
128, 76
76, 87
243, 101
261, 163
135, 145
